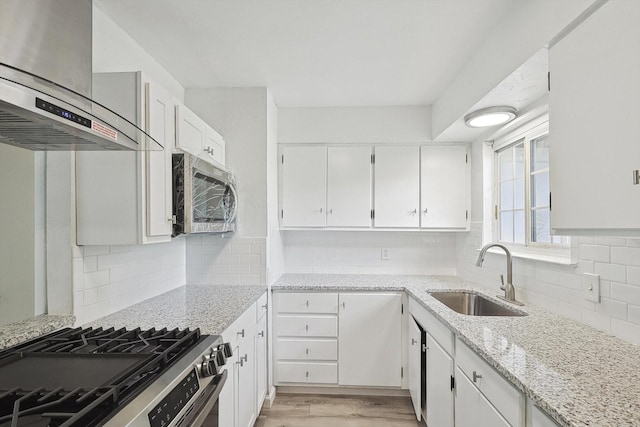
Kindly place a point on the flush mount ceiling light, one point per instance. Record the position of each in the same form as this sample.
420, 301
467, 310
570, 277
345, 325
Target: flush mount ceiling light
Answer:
490, 116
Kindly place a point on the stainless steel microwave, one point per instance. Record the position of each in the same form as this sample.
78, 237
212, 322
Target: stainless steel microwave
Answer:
204, 197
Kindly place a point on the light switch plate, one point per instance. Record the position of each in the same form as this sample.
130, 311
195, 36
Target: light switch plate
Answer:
591, 287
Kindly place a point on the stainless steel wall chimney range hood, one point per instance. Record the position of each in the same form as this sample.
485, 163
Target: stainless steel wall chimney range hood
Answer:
45, 82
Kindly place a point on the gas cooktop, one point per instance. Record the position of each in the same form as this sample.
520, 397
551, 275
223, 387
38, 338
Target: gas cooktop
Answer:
83, 377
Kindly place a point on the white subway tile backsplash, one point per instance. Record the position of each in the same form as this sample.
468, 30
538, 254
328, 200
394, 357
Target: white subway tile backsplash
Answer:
597, 320
627, 293
634, 314
612, 308
633, 275
612, 272
611, 241
594, 253
96, 278
627, 256
95, 250
626, 330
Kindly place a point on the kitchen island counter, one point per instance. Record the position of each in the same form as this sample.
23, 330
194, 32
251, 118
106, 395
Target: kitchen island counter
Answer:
19, 332
210, 308
579, 375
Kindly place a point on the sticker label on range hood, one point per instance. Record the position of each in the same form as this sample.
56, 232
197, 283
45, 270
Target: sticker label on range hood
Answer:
104, 130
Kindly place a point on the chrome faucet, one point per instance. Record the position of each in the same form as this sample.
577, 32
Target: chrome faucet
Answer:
509, 290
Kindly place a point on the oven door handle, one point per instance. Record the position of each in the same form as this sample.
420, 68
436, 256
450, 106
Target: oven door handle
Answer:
210, 398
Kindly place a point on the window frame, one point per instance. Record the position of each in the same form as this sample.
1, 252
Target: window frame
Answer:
524, 134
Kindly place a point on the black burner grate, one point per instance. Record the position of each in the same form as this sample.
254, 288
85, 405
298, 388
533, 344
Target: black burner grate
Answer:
81, 377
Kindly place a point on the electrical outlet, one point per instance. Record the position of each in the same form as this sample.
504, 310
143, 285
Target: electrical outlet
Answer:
591, 287
385, 254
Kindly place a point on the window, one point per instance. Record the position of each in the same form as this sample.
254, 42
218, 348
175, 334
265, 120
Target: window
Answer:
522, 209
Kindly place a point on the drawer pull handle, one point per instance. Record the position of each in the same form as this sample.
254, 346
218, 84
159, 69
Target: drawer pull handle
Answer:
307, 351
307, 374
306, 327
413, 342
343, 305
242, 360
265, 306
307, 303
241, 333
261, 333
476, 376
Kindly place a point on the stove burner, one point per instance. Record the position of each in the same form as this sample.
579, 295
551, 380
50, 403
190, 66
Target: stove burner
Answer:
81, 377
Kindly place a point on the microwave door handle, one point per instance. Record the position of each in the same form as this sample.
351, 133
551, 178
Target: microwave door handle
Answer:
235, 204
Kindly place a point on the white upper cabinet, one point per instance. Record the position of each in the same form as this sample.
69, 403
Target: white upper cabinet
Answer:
159, 118
125, 197
443, 187
196, 137
349, 187
304, 183
397, 186
594, 126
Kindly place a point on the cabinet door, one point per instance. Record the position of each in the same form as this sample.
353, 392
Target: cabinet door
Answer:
369, 339
443, 187
439, 392
396, 184
190, 131
415, 366
245, 385
349, 187
227, 404
214, 145
304, 184
159, 115
594, 126
472, 408
261, 363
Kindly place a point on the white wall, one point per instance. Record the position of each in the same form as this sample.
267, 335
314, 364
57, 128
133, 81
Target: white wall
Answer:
275, 250
114, 50
401, 124
21, 236
553, 286
109, 278
240, 115
520, 34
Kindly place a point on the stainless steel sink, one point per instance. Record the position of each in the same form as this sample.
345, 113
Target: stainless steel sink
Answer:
474, 304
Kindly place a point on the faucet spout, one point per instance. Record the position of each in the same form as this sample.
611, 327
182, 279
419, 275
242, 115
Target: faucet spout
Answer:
509, 290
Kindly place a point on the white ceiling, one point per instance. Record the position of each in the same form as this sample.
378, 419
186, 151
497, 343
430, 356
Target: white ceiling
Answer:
314, 53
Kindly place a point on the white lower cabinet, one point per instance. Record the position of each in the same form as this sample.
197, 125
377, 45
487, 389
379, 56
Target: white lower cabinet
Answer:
415, 366
537, 418
244, 392
328, 338
472, 407
370, 324
439, 390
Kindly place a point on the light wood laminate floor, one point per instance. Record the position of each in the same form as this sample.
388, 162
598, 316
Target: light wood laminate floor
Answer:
306, 410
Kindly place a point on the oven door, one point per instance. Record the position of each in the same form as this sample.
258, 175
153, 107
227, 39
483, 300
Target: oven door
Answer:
205, 411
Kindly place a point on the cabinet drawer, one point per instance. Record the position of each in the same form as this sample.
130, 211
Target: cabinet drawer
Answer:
307, 302
296, 372
295, 349
507, 399
241, 327
307, 326
436, 329
261, 307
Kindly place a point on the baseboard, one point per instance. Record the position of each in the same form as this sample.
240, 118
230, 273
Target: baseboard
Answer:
271, 396
351, 391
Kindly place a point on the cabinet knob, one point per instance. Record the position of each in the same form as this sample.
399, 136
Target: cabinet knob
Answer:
307, 352
307, 374
636, 177
344, 305
307, 303
413, 342
261, 333
241, 333
425, 211
413, 212
306, 328
320, 210
476, 376
265, 306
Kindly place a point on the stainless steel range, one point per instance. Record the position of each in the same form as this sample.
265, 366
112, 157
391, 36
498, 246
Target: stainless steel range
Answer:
113, 377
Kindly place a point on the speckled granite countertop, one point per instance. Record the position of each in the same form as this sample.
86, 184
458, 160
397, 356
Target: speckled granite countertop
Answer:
578, 375
18, 332
210, 308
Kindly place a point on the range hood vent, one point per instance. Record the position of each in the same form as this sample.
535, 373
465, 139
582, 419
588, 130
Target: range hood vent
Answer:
38, 114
